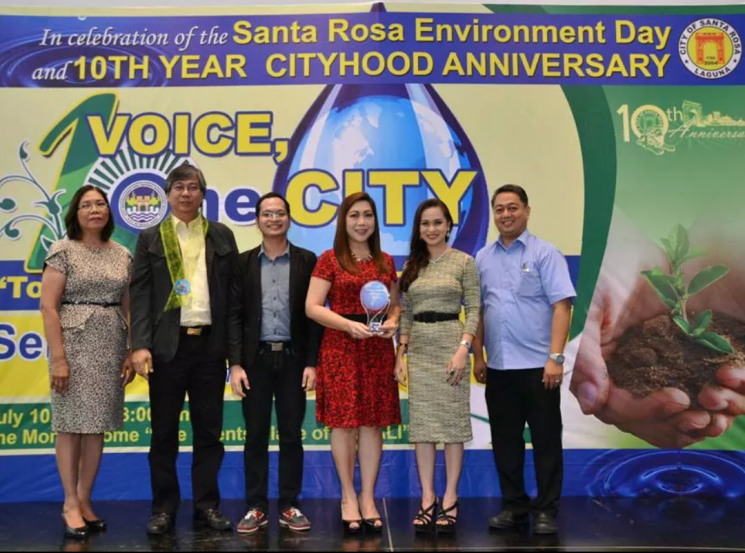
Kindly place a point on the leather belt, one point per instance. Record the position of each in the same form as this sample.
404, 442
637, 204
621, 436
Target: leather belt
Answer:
275, 346
433, 317
195, 330
355, 317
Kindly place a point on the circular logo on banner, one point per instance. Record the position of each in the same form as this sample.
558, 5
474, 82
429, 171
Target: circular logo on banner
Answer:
649, 119
142, 204
710, 48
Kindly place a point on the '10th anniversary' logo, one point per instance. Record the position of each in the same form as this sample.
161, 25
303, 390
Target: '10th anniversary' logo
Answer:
710, 48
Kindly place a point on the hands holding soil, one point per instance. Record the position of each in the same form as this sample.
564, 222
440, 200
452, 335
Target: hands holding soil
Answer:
636, 370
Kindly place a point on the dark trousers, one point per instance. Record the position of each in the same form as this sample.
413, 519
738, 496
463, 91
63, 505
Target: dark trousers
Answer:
277, 375
192, 370
514, 397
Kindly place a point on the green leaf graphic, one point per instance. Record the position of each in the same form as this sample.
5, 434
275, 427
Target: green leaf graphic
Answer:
682, 243
662, 286
701, 323
714, 341
706, 277
693, 254
669, 248
10, 232
683, 324
7, 204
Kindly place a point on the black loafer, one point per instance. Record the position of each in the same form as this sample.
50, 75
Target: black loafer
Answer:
98, 525
213, 519
545, 523
159, 523
507, 519
75, 533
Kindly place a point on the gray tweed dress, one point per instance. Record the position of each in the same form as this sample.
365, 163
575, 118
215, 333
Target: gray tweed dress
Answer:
94, 337
439, 412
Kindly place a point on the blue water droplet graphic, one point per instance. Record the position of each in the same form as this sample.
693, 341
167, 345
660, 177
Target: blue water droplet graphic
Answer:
384, 127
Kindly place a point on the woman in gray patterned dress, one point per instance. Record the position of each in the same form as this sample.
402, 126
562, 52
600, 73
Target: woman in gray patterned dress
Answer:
436, 281
85, 306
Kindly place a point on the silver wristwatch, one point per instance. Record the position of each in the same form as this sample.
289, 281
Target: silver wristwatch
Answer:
557, 358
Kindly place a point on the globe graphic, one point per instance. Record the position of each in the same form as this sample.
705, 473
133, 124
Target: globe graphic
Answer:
393, 127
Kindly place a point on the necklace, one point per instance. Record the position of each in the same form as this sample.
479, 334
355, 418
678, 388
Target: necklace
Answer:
363, 258
433, 261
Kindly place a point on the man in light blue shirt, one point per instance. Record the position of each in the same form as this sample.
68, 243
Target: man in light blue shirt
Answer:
526, 295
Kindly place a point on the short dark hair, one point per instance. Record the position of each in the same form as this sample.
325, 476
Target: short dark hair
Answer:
185, 171
269, 196
74, 230
515, 189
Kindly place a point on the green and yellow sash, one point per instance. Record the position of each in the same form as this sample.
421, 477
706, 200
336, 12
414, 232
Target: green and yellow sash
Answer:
175, 259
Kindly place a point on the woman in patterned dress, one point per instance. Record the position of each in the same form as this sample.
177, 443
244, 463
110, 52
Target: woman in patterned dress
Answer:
85, 307
436, 280
356, 391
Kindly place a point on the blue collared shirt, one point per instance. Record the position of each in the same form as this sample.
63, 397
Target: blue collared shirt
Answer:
519, 286
275, 297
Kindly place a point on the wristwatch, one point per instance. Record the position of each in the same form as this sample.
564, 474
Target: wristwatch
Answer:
557, 358
466, 343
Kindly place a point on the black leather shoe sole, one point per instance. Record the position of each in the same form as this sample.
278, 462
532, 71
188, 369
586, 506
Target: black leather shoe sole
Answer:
508, 524
159, 529
217, 526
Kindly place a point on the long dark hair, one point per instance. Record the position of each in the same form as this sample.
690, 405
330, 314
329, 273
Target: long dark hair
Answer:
74, 230
418, 254
341, 239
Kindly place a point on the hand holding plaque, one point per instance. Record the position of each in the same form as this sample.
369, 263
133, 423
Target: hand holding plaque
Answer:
376, 299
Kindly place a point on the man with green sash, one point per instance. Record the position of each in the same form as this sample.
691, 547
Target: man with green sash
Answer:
179, 305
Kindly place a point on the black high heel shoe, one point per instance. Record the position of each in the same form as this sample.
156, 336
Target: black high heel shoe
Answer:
75, 533
427, 519
370, 525
348, 528
97, 525
449, 520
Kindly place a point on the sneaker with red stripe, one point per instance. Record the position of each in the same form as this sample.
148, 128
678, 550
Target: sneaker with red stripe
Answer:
253, 521
294, 519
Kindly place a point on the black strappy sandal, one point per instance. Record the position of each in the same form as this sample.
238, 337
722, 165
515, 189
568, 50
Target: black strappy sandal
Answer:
427, 518
371, 525
348, 528
449, 520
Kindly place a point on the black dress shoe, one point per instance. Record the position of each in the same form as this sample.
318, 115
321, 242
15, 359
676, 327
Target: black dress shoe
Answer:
507, 519
75, 533
213, 519
159, 523
545, 523
98, 525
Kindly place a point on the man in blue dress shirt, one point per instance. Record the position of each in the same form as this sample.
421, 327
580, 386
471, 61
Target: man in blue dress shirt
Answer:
526, 296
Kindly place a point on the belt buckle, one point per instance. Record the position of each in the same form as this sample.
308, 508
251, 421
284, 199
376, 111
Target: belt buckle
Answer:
276, 346
194, 331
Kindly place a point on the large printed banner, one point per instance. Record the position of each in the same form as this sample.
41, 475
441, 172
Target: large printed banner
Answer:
625, 125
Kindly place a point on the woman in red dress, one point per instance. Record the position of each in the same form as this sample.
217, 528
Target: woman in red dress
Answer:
356, 391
